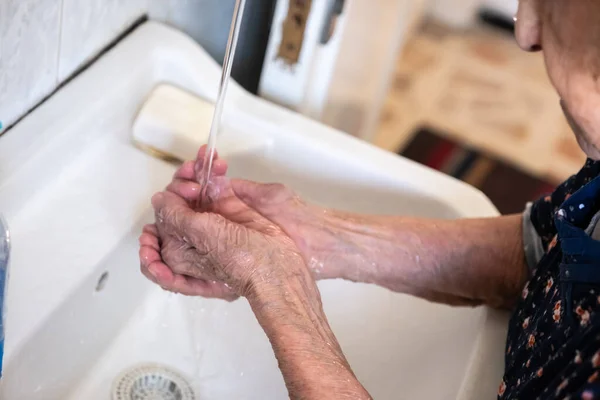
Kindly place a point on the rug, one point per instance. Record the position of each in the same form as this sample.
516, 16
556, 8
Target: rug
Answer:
508, 187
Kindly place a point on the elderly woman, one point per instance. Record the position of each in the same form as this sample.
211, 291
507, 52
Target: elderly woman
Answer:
264, 243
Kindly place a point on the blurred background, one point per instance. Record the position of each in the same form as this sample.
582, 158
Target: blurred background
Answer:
439, 81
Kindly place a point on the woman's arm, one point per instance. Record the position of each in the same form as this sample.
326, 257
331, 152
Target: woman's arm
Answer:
459, 262
462, 262
309, 356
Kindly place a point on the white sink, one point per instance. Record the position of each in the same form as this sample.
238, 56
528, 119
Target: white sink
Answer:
76, 193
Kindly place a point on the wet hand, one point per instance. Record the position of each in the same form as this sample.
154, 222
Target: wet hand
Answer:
317, 232
223, 251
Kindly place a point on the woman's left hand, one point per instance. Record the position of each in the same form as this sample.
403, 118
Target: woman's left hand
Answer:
222, 252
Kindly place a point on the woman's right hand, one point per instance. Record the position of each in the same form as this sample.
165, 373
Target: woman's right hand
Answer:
325, 238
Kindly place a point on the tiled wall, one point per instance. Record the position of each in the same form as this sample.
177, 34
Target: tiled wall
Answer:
42, 42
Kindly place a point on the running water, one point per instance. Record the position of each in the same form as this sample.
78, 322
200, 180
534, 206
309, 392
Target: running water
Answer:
204, 176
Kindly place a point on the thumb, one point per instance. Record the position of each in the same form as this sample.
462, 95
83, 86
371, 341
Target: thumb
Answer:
173, 214
260, 195
175, 217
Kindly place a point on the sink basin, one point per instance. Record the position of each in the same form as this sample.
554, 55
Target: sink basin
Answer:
76, 191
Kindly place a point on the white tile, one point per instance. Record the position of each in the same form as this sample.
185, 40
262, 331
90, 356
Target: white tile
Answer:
207, 21
29, 32
89, 25
161, 10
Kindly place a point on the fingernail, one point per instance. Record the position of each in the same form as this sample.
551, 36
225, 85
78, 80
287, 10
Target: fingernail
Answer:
152, 272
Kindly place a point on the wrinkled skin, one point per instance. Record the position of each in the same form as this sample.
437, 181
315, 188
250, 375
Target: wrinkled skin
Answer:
307, 225
226, 249
216, 252
568, 32
272, 207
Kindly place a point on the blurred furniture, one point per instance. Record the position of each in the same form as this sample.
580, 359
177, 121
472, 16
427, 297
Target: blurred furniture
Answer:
346, 62
462, 13
479, 89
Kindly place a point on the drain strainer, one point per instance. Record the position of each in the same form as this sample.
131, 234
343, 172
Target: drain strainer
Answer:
151, 382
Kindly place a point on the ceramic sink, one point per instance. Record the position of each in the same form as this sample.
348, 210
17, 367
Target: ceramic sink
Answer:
76, 192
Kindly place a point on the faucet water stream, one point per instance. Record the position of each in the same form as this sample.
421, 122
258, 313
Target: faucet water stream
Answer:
234, 32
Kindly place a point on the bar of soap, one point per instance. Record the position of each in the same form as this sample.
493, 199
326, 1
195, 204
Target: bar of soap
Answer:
173, 122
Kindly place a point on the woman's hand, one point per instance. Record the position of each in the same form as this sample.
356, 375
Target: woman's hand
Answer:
228, 249
220, 252
320, 234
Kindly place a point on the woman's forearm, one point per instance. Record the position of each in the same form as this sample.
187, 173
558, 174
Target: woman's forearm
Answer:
461, 262
309, 356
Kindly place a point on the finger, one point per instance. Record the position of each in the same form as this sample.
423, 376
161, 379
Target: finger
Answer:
174, 216
170, 203
150, 228
151, 263
149, 240
219, 167
261, 196
202, 153
219, 189
230, 204
156, 271
147, 274
162, 275
186, 171
189, 190
189, 169
153, 268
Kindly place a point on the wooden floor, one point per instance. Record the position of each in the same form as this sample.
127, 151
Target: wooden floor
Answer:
479, 88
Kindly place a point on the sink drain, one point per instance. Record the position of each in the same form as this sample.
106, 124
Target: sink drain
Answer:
151, 382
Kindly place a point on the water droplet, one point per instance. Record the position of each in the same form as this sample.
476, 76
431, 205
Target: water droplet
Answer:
241, 374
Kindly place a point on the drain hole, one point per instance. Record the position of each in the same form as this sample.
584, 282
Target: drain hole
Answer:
146, 387
151, 382
102, 282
